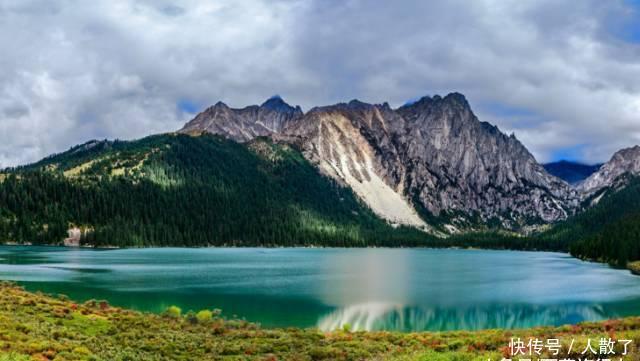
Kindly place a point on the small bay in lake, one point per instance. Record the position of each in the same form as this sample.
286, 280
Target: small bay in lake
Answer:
372, 289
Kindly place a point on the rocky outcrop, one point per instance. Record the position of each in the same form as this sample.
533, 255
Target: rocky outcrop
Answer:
351, 143
439, 157
246, 123
73, 240
432, 157
623, 162
464, 166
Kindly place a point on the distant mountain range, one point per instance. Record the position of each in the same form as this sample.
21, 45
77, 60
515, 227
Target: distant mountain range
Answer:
571, 172
273, 174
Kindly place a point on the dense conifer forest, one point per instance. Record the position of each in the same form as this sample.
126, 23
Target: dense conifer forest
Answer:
179, 190
608, 231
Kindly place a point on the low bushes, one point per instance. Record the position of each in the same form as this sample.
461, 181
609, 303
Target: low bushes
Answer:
38, 327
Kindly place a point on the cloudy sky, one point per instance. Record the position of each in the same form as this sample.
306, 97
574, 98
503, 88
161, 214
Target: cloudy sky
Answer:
564, 76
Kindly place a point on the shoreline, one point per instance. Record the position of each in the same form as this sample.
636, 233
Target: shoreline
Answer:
281, 247
632, 267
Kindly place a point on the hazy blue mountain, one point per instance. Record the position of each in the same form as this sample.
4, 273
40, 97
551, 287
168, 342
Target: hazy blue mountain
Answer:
571, 172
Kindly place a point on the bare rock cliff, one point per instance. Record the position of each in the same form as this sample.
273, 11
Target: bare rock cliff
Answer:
625, 161
246, 123
428, 162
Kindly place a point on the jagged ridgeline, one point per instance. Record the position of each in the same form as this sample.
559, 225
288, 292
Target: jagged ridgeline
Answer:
428, 173
182, 190
430, 164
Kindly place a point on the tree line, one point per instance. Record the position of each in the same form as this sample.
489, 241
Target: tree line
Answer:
178, 190
199, 191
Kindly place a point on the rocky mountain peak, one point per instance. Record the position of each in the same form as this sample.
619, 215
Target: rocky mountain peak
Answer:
454, 98
276, 103
246, 123
275, 98
629, 155
624, 161
355, 103
453, 105
457, 97
428, 158
463, 165
417, 102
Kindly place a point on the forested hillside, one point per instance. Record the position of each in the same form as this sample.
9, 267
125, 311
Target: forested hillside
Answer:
180, 190
187, 191
609, 231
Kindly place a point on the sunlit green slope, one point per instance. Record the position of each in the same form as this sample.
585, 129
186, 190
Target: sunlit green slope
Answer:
183, 190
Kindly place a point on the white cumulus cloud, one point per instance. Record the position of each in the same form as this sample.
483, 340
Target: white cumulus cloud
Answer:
562, 75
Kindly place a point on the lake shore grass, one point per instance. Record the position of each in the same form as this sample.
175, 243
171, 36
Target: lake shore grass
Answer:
34, 326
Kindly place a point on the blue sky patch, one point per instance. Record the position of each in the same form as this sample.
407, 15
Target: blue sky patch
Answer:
572, 153
187, 106
629, 28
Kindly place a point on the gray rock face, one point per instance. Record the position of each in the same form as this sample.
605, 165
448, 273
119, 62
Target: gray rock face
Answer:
354, 144
247, 123
441, 158
433, 155
625, 161
461, 164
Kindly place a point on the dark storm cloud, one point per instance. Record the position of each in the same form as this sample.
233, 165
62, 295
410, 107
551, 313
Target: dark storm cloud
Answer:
560, 74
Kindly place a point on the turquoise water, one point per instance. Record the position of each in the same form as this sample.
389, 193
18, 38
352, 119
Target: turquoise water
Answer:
393, 289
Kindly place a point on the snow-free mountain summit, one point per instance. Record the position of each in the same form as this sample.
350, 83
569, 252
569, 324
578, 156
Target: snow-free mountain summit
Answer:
428, 173
429, 162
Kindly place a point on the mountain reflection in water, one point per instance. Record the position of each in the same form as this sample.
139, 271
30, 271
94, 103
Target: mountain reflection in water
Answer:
372, 289
383, 316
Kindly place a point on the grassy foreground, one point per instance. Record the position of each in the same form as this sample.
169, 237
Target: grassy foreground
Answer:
34, 326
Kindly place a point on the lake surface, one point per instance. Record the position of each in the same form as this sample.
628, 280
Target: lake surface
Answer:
392, 289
